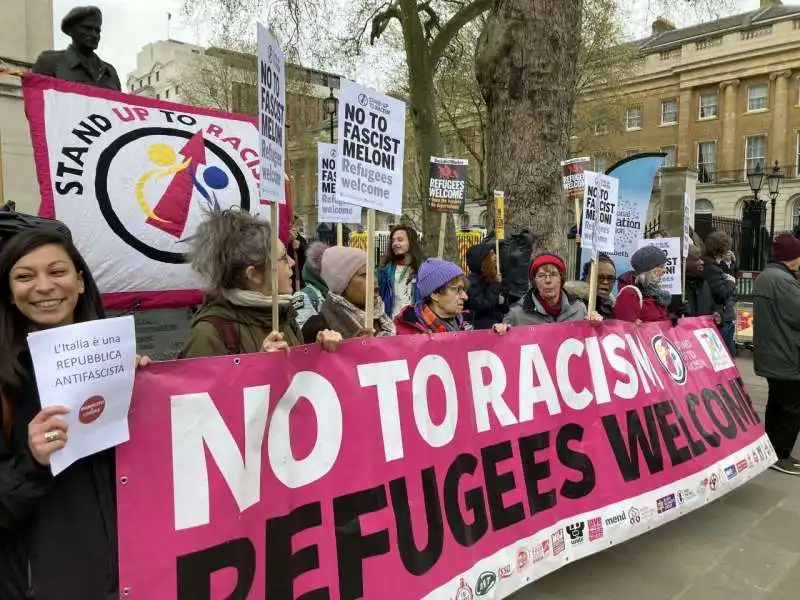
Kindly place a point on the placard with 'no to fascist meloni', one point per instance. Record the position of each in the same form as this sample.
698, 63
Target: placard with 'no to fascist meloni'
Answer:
329, 208
600, 206
370, 148
271, 117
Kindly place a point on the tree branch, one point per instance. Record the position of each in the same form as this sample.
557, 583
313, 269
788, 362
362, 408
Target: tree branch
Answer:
381, 21
453, 26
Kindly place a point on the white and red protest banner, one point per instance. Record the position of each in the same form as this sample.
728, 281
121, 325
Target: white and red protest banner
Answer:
424, 468
132, 176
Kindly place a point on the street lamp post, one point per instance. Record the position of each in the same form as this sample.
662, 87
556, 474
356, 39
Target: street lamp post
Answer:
753, 222
331, 106
774, 182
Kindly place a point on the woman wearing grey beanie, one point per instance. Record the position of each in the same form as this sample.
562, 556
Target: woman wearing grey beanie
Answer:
643, 299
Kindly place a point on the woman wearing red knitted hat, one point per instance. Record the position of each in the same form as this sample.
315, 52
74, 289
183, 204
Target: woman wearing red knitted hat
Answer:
546, 301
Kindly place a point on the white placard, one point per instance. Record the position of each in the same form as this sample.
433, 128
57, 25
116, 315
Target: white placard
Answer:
671, 247
370, 148
271, 117
687, 220
600, 207
88, 368
329, 208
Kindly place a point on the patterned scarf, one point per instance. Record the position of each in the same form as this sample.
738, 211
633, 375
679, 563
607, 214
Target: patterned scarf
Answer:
657, 293
431, 321
346, 318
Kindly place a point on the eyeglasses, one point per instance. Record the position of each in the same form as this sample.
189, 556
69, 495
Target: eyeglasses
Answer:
546, 276
605, 278
458, 289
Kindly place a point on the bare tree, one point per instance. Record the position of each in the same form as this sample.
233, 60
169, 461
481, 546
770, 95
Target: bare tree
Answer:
526, 67
426, 28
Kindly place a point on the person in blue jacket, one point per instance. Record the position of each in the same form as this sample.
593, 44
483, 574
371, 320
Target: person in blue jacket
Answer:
397, 277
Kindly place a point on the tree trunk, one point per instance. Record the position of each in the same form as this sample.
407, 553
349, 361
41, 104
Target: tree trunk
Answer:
526, 68
425, 121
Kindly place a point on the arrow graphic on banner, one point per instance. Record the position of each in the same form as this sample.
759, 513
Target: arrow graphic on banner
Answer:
172, 209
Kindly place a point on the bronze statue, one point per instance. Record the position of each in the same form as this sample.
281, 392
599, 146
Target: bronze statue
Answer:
79, 63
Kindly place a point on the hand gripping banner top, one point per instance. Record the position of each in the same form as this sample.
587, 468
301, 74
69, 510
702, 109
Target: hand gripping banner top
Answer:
464, 466
131, 176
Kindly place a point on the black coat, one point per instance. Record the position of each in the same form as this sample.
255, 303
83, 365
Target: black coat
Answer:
68, 522
699, 300
722, 290
484, 295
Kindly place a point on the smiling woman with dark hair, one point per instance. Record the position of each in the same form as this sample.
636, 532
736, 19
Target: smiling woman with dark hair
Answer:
68, 523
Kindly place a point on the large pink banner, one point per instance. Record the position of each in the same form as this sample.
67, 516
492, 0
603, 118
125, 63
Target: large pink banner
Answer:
457, 467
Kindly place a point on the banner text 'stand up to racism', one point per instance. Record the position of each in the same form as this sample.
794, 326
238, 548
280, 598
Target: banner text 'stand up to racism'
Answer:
470, 461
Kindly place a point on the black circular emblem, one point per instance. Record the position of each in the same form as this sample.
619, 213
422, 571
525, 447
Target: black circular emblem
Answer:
104, 201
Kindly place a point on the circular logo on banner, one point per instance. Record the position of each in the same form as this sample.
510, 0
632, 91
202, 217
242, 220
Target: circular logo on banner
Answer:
333, 152
363, 100
670, 358
173, 175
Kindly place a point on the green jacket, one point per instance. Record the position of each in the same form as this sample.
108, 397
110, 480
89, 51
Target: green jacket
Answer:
251, 326
776, 323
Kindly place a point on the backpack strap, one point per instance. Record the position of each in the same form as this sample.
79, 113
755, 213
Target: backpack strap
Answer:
226, 331
638, 293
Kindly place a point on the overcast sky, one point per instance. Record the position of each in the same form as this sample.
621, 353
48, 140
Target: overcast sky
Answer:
128, 25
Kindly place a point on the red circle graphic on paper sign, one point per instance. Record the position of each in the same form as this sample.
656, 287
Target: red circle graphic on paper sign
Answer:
91, 410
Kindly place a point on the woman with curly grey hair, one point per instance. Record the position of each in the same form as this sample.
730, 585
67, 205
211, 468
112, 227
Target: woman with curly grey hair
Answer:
230, 251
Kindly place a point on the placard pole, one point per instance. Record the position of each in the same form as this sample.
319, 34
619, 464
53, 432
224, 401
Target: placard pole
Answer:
442, 233
369, 309
593, 288
275, 249
339, 234
683, 278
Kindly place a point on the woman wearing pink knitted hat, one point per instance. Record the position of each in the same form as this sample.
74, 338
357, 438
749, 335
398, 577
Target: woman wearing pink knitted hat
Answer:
344, 271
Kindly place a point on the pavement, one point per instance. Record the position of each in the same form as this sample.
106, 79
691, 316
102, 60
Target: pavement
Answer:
744, 546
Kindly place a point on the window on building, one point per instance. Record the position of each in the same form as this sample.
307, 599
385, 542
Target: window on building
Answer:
703, 207
157, 75
795, 204
797, 155
670, 160
600, 164
177, 90
158, 96
148, 80
706, 162
757, 97
465, 221
669, 111
633, 117
708, 105
755, 152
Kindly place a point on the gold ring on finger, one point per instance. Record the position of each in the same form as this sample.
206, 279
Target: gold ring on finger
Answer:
51, 436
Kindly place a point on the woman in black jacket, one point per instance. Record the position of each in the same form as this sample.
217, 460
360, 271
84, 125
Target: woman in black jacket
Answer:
69, 522
723, 285
488, 298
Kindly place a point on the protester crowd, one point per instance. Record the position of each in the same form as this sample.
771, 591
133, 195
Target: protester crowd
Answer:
58, 535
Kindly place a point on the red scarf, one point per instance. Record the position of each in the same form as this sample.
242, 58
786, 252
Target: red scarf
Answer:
552, 309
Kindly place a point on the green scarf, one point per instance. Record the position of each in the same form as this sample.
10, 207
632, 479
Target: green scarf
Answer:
312, 277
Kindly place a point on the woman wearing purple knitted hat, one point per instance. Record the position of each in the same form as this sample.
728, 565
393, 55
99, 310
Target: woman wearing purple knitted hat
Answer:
442, 286
344, 271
